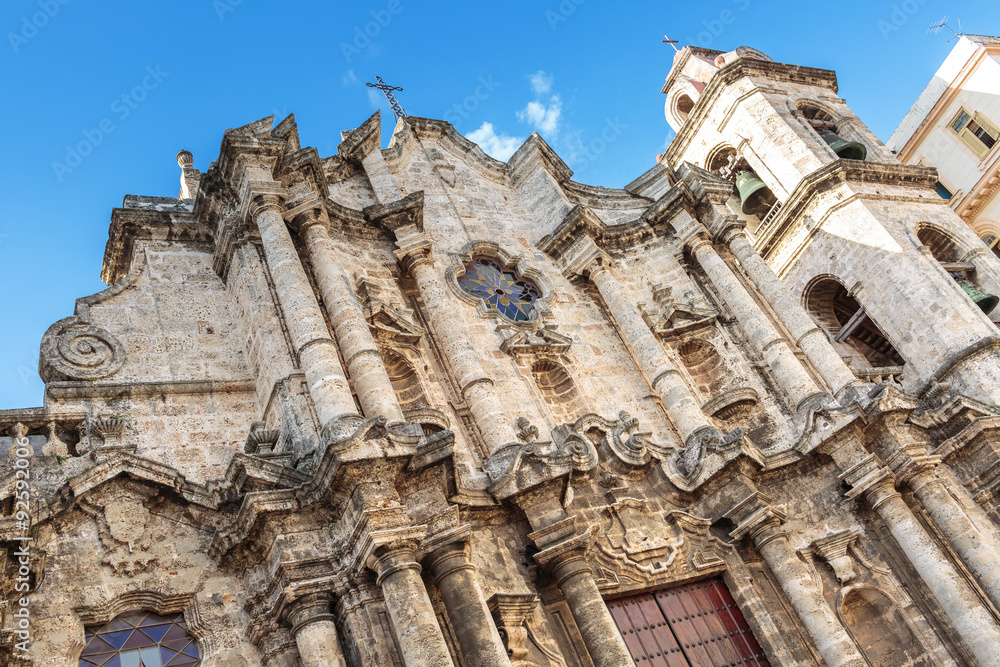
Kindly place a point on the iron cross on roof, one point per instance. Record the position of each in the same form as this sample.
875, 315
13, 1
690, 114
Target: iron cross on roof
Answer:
387, 89
671, 42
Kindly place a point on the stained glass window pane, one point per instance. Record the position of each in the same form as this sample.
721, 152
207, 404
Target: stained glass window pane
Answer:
501, 290
140, 639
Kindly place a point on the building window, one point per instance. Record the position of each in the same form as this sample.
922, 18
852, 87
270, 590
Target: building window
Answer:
942, 191
976, 131
501, 290
140, 639
991, 242
692, 624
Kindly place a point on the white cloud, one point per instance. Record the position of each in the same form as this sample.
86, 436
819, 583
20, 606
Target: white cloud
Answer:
541, 82
375, 98
544, 117
350, 78
500, 146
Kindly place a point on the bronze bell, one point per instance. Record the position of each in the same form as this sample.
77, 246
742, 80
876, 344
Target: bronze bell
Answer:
755, 197
986, 302
848, 150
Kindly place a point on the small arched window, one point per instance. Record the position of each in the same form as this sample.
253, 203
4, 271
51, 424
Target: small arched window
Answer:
404, 381
140, 639
683, 107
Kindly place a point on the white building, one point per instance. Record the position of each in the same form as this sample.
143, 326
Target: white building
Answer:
953, 126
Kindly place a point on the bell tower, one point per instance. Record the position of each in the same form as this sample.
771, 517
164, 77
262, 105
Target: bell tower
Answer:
883, 266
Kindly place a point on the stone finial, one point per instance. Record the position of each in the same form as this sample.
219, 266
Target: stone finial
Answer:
190, 177
109, 428
185, 159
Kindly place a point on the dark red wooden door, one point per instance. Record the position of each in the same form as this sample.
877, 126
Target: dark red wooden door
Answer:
694, 625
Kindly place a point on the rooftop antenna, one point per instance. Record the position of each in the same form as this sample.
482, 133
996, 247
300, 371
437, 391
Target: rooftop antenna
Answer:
387, 89
671, 42
943, 24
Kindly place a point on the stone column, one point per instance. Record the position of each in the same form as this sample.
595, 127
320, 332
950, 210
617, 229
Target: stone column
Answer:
762, 524
455, 578
477, 389
310, 336
970, 619
808, 336
567, 564
978, 554
363, 359
421, 641
316, 632
763, 335
649, 354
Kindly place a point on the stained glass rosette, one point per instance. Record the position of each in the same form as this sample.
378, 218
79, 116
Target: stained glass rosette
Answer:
141, 639
501, 290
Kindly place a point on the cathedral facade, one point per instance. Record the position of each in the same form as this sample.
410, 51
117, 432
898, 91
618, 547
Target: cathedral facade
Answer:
413, 406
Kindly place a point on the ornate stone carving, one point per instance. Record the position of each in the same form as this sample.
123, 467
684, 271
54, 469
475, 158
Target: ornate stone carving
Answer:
542, 342
526, 646
75, 350
704, 441
833, 549
673, 316
389, 324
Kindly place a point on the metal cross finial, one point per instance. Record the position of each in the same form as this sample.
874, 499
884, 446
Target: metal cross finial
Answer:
387, 89
671, 42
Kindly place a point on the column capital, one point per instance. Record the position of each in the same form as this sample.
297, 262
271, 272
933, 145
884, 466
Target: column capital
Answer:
565, 558
307, 609
584, 258
731, 229
700, 241
385, 551
757, 519
913, 467
413, 251
259, 196
306, 214
871, 480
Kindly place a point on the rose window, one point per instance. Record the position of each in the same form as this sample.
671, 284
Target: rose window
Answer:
512, 297
141, 639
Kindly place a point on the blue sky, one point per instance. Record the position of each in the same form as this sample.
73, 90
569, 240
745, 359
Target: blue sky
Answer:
131, 83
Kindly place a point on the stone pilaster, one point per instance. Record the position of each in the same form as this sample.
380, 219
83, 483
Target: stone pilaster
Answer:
392, 555
808, 336
311, 339
361, 355
754, 518
875, 484
979, 555
455, 576
477, 389
646, 349
762, 334
566, 562
315, 632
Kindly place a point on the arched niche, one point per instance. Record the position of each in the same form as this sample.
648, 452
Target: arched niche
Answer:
704, 365
405, 382
850, 327
880, 630
557, 387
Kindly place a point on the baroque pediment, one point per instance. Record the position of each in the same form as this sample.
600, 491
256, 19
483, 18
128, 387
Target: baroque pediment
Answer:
389, 323
675, 316
545, 341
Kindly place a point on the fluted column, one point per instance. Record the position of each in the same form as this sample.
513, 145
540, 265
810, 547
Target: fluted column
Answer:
478, 390
420, 638
762, 524
649, 354
769, 343
569, 567
976, 552
969, 617
310, 337
363, 359
808, 336
316, 632
455, 577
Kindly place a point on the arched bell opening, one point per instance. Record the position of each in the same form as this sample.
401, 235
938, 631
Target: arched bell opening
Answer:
404, 380
751, 199
561, 395
949, 255
849, 325
825, 126
682, 107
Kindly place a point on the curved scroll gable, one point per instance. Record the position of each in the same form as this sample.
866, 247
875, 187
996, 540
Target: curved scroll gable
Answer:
75, 349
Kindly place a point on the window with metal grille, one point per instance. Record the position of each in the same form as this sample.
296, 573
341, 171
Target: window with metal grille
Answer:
693, 625
976, 131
